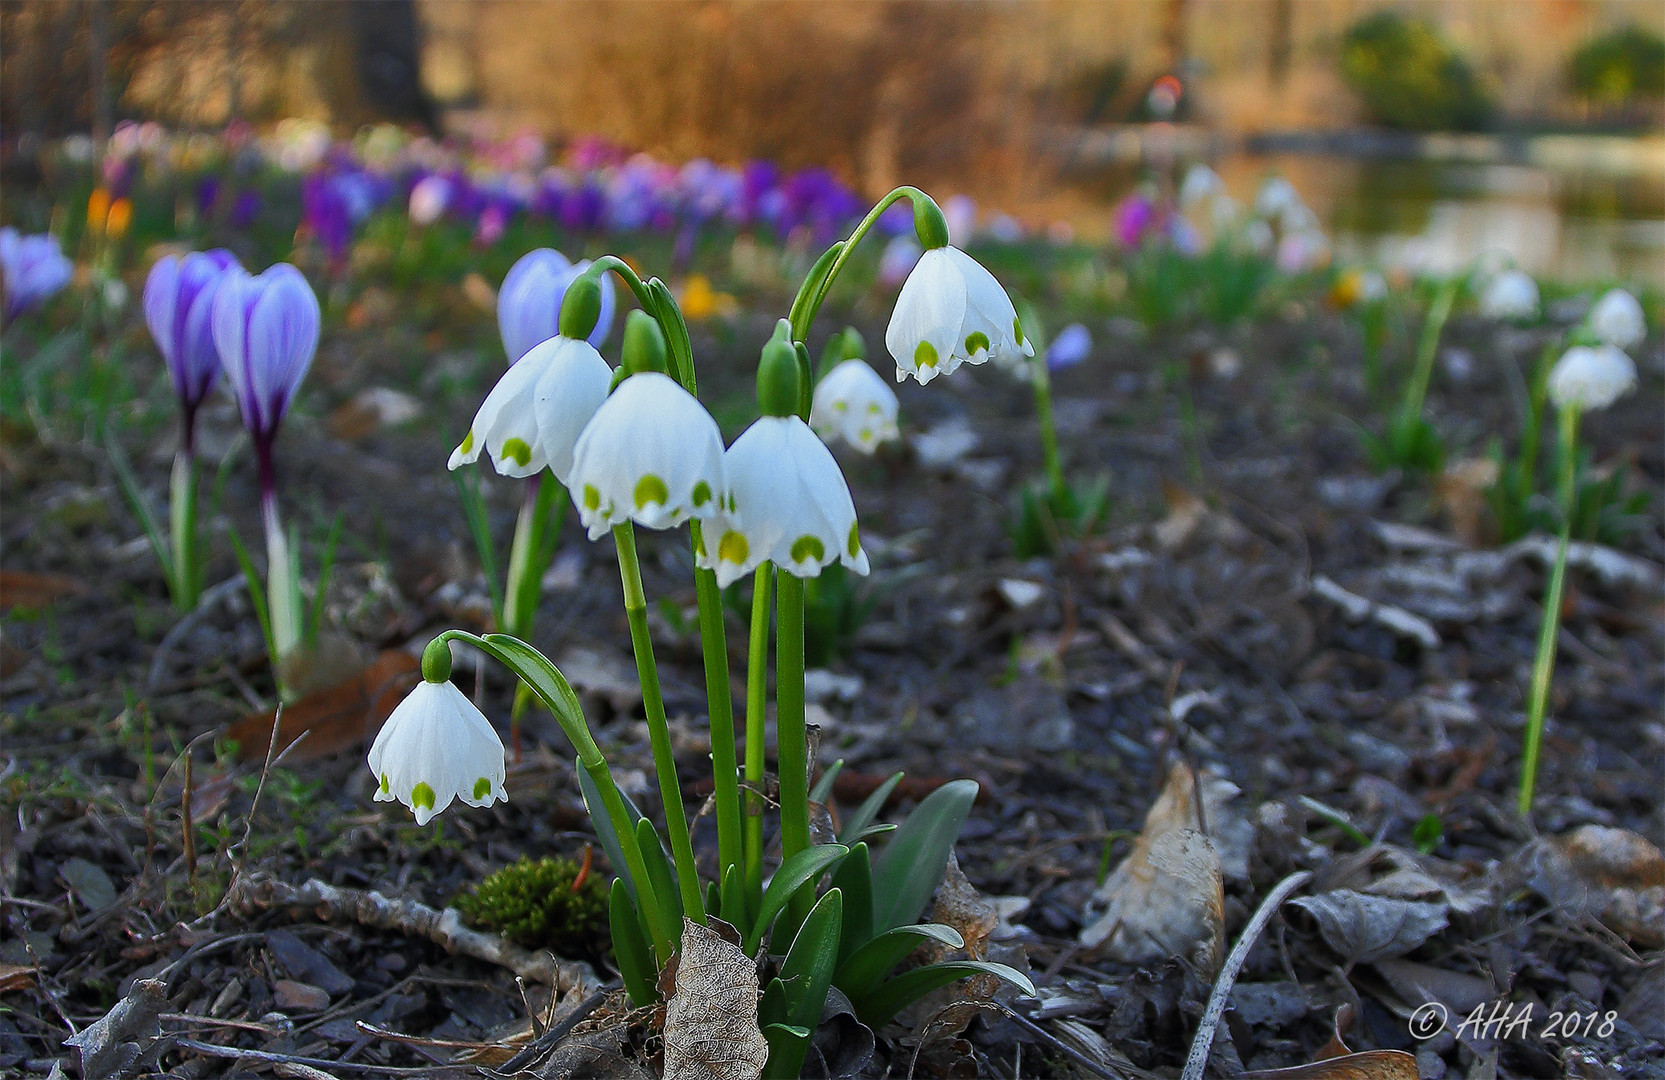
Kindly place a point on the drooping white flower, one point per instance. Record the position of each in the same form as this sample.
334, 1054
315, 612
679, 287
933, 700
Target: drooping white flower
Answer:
951, 311
1591, 378
437, 747
1617, 319
1510, 295
1201, 184
651, 454
532, 418
786, 501
1277, 199
854, 404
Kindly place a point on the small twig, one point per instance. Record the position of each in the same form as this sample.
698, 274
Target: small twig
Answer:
214, 1021
1197, 1060
551, 1038
212, 1050
1094, 1067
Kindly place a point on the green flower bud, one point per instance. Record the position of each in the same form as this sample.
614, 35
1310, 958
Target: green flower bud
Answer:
851, 345
777, 374
580, 308
928, 223
436, 661
644, 344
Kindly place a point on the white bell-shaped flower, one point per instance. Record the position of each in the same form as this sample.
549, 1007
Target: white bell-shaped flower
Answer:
533, 416
786, 501
951, 311
1202, 184
854, 404
1591, 378
1510, 295
1617, 320
651, 454
437, 747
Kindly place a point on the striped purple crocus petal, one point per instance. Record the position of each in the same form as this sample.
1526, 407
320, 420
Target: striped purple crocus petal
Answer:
266, 330
178, 300
529, 303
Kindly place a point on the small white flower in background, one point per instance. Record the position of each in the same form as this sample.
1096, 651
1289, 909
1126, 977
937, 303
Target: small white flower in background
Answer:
1302, 251
532, 418
786, 501
1259, 237
1511, 295
854, 404
951, 311
1591, 378
1617, 319
1225, 211
1277, 199
437, 747
1201, 184
1372, 286
651, 454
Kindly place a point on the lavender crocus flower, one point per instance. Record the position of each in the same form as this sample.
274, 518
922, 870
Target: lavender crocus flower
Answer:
34, 267
178, 304
1069, 348
266, 330
529, 303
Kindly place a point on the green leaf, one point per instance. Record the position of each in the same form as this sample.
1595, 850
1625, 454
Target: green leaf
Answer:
659, 871
869, 809
800, 870
326, 565
141, 510
854, 878
785, 1040
630, 947
876, 829
732, 898
823, 787
867, 966
257, 594
467, 483
603, 824
880, 1007
805, 975
912, 864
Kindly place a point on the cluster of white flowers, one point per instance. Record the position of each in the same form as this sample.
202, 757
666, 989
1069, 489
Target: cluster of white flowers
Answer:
1594, 377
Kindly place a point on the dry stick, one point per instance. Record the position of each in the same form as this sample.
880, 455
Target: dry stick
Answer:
212, 1050
551, 1038
1197, 1060
1095, 1067
444, 928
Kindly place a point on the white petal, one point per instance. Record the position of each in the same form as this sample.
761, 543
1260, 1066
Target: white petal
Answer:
507, 414
929, 311
989, 311
570, 390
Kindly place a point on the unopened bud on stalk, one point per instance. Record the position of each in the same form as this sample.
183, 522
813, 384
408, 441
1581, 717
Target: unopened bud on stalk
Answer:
928, 223
644, 344
436, 661
777, 374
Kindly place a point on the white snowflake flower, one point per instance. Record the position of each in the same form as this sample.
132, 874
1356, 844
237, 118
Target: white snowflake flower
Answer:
951, 311
437, 747
1617, 320
854, 404
1591, 378
532, 418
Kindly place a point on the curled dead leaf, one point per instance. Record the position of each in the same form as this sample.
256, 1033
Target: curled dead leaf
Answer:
711, 1029
1603, 873
345, 715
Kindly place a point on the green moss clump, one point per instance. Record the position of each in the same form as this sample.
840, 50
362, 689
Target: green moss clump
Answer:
533, 904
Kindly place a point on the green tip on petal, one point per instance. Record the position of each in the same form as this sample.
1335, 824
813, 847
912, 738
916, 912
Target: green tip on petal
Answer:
702, 493
854, 544
1017, 330
482, 788
592, 497
979, 340
925, 356
517, 451
808, 547
436, 660
422, 795
651, 489
467, 443
733, 548
385, 785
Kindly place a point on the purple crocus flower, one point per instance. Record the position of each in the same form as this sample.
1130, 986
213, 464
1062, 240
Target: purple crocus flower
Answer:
529, 303
1134, 218
266, 330
178, 303
1069, 348
35, 267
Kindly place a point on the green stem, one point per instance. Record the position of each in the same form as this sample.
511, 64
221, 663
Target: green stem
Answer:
791, 743
655, 298
757, 693
659, 732
571, 718
1543, 664
719, 699
804, 316
1049, 431
528, 555
185, 575
1428, 344
283, 592
1536, 398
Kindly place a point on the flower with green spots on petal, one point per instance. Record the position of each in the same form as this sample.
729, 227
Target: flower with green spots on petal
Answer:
436, 748
533, 416
788, 503
651, 454
854, 404
952, 311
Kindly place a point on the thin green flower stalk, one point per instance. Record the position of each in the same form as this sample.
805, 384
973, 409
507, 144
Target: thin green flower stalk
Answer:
1428, 344
757, 698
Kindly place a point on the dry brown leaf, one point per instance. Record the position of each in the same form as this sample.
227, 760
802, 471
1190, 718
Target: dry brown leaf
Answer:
16, 977
1462, 491
21, 589
1364, 1065
958, 904
711, 1030
1167, 898
333, 720
1599, 872
1364, 928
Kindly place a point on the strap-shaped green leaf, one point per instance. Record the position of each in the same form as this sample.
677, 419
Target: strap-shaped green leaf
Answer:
807, 970
800, 870
867, 966
785, 1040
603, 824
546, 680
868, 810
630, 947
854, 878
912, 864
659, 870
732, 898
880, 1007
823, 787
